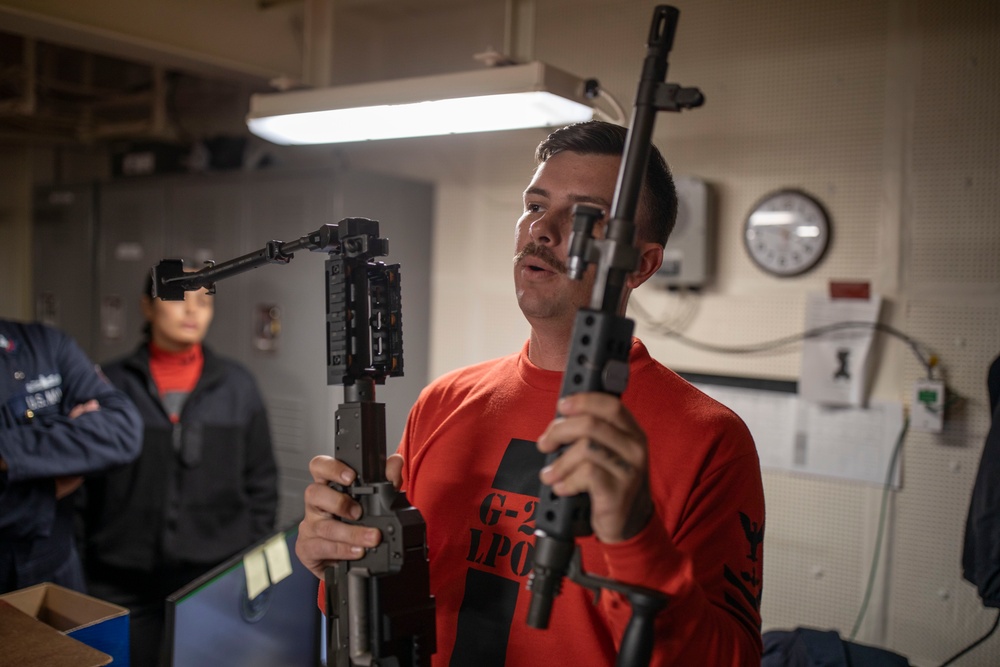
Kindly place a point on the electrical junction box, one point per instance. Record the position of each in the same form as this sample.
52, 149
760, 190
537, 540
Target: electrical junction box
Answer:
927, 409
687, 257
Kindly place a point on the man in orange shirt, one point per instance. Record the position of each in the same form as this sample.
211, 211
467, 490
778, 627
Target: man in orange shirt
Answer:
674, 480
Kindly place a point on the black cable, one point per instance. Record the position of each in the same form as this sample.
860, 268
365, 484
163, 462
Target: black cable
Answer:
928, 362
974, 644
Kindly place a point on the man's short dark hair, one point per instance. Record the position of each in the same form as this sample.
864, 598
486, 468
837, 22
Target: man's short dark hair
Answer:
597, 137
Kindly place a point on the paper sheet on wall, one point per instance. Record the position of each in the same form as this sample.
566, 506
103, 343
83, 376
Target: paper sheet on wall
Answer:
770, 416
855, 443
836, 367
796, 435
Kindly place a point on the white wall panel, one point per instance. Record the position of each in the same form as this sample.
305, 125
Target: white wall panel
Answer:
887, 112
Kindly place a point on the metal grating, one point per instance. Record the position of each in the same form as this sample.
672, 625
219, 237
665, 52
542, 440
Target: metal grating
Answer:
956, 151
937, 612
814, 556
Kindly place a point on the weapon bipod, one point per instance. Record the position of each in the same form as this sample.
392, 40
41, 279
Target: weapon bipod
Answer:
637, 643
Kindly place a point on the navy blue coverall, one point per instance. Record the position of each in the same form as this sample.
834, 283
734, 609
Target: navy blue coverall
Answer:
43, 375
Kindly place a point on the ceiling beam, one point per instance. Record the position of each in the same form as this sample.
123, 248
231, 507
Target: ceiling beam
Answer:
165, 48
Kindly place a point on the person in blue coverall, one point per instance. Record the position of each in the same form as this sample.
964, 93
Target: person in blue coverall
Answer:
60, 419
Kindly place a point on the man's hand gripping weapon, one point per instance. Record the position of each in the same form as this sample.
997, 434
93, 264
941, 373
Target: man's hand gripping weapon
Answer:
599, 350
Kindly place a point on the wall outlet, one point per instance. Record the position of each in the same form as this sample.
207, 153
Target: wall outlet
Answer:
927, 409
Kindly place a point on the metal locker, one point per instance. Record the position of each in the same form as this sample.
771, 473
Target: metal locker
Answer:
272, 318
204, 219
63, 242
132, 223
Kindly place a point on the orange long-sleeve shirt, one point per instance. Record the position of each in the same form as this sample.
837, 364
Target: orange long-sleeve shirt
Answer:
472, 470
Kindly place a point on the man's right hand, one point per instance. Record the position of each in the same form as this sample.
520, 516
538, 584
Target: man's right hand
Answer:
83, 408
68, 484
324, 538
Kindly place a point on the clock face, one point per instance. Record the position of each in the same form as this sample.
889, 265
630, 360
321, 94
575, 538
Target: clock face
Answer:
787, 233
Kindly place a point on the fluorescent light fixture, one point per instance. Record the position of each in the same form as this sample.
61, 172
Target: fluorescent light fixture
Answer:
494, 98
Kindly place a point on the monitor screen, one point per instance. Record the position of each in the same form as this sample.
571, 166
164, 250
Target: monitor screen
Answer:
212, 621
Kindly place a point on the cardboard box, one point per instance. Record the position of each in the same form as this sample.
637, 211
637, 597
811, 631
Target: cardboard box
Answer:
99, 624
27, 642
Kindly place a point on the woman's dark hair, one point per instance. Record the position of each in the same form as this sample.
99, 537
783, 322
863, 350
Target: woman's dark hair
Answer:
597, 137
147, 291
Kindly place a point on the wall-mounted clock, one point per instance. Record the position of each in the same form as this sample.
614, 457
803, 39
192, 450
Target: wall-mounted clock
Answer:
787, 233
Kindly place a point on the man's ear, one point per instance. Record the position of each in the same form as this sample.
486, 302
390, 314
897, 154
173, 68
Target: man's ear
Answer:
650, 259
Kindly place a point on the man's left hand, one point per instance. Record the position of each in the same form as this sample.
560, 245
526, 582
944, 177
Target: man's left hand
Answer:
70, 483
605, 455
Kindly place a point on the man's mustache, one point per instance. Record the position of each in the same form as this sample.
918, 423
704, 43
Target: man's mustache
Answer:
543, 253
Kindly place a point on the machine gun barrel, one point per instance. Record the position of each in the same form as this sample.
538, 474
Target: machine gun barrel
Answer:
601, 339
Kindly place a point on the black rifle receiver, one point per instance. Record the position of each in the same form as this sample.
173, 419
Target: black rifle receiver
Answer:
380, 612
599, 349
